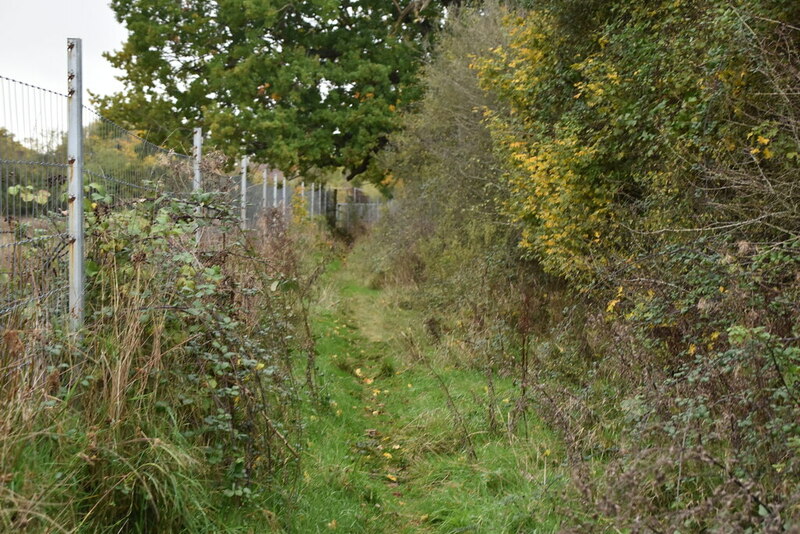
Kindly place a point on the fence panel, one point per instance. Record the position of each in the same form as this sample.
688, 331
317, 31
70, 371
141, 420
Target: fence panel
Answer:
33, 181
355, 211
119, 168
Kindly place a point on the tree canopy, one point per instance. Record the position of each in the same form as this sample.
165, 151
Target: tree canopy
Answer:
311, 84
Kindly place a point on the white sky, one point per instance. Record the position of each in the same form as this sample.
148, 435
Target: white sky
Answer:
33, 42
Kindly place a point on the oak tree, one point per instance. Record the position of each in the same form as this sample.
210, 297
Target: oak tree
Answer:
304, 84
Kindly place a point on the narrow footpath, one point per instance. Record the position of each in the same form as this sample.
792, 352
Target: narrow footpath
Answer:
399, 441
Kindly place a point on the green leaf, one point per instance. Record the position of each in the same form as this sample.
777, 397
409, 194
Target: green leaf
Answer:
92, 268
42, 196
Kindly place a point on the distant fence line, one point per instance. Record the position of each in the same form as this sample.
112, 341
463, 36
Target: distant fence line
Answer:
56, 154
346, 208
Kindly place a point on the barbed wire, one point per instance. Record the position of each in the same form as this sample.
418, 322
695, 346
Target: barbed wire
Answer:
32, 86
99, 117
33, 240
24, 302
24, 162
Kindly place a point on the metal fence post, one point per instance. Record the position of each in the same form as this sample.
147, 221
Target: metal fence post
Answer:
75, 194
311, 211
198, 155
283, 177
264, 184
244, 193
274, 188
197, 180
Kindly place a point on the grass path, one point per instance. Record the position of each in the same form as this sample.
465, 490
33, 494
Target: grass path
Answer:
385, 451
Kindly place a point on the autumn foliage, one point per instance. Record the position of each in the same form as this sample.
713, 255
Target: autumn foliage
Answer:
640, 244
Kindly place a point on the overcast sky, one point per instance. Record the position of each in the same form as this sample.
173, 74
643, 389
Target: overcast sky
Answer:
33, 42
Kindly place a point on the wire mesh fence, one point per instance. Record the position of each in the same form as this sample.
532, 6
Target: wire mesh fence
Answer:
274, 196
33, 177
116, 168
271, 197
355, 210
120, 166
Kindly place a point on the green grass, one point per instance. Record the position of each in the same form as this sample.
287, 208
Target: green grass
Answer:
384, 452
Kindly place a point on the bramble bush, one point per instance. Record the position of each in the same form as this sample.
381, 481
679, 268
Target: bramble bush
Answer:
179, 402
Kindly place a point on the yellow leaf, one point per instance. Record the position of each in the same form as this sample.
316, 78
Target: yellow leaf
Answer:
392, 478
692, 349
387, 455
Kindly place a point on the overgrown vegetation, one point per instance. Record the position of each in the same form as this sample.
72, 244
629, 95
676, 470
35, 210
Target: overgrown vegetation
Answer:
179, 403
599, 199
399, 441
579, 314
